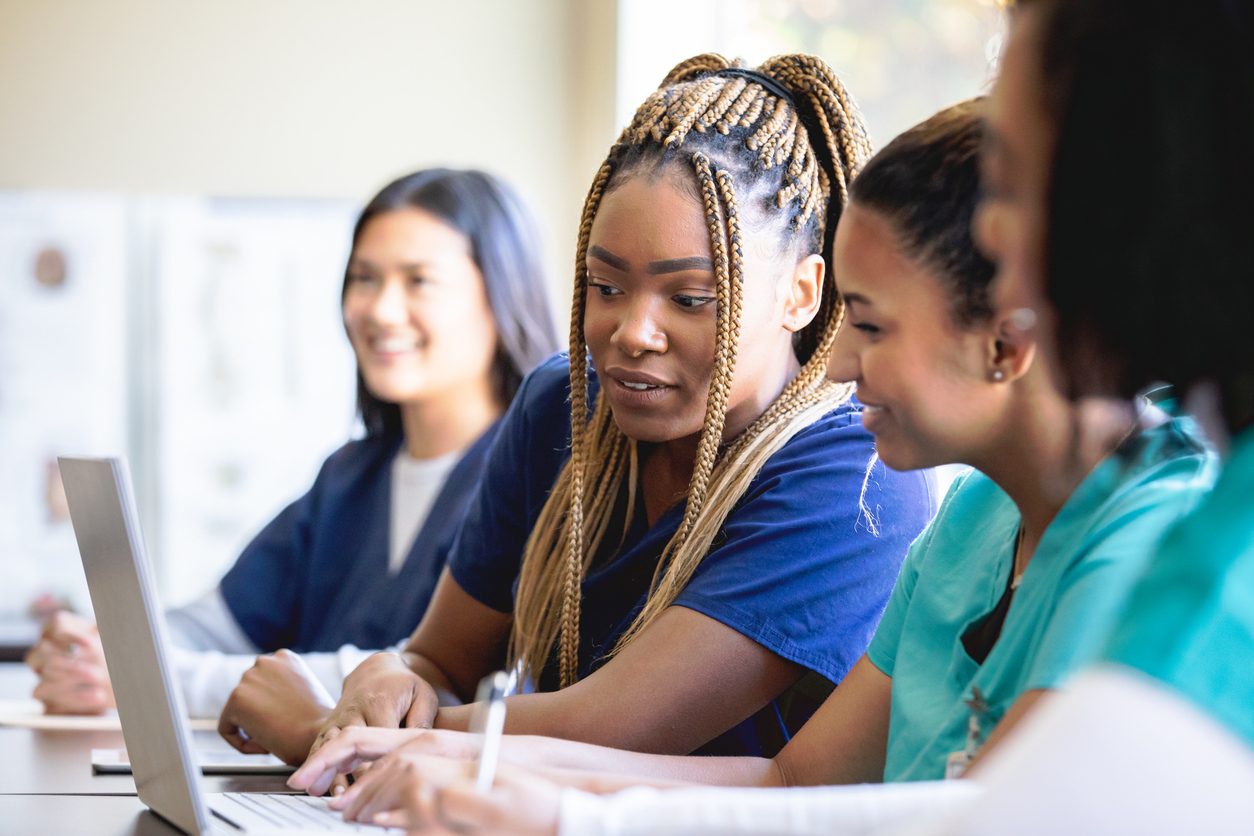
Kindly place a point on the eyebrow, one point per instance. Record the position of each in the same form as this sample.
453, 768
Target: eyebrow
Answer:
357, 260
855, 298
679, 265
602, 254
655, 268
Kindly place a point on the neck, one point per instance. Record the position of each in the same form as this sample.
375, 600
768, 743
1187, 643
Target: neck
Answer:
666, 469
1045, 448
449, 421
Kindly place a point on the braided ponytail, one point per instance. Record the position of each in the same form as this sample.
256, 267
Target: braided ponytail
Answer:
805, 136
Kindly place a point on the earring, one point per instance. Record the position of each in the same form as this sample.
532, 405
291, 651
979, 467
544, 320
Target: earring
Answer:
1023, 318
998, 374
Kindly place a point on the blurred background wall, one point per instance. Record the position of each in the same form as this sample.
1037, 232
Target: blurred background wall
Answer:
178, 181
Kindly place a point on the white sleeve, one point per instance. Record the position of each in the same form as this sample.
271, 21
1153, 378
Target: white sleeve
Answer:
803, 811
209, 676
331, 668
1115, 752
209, 624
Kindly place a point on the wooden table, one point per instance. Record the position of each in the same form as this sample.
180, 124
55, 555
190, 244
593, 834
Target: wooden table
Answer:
47, 786
79, 815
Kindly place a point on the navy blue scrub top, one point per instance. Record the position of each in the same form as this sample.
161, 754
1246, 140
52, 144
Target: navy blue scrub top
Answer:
796, 567
316, 578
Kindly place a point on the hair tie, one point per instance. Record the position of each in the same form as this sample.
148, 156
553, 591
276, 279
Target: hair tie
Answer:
762, 80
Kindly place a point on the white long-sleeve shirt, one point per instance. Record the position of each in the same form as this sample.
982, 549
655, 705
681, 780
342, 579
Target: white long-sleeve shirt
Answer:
858, 810
211, 653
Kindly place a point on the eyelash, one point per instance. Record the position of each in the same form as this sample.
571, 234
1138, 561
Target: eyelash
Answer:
683, 300
867, 328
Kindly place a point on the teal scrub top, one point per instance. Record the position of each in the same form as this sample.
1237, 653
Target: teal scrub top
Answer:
1059, 618
1190, 620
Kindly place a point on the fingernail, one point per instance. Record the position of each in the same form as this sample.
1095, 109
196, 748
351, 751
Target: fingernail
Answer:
337, 790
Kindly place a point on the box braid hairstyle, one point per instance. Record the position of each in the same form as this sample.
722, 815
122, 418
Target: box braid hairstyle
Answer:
777, 147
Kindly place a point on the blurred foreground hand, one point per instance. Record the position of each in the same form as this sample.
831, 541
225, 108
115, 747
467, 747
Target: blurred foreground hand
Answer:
69, 659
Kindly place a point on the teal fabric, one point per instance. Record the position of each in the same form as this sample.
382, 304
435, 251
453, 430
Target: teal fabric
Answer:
1072, 591
1190, 620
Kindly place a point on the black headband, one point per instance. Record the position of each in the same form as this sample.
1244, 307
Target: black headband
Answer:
762, 80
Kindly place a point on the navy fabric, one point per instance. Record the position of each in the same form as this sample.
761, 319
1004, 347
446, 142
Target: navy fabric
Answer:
316, 578
796, 567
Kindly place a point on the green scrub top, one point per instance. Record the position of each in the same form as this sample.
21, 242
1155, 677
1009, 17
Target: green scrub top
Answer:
1060, 616
1190, 620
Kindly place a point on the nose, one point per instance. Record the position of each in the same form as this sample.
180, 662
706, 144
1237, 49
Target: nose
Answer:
844, 365
390, 305
638, 331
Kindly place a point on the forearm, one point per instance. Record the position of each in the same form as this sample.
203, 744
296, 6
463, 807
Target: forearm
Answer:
602, 769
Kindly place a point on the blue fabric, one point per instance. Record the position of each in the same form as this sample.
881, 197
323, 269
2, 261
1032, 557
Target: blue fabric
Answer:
1071, 593
316, 578
1190, 620
796, 567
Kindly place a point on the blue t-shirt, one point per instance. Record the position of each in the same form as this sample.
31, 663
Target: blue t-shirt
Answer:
1190, 620
316, 577
1083, 568
797, 567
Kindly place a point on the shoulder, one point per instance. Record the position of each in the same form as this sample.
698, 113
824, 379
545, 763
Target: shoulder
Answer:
974, 517
358, 459
829, 472
836, 441
838, 451
1168, 467
544, 392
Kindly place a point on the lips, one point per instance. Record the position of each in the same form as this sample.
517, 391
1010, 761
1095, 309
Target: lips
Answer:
635, 387
873, 415
393, 344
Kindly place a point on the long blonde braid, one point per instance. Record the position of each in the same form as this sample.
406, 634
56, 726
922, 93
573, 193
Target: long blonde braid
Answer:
816, 144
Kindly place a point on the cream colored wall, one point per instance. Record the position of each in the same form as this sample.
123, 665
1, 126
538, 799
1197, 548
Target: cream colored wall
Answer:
326, 98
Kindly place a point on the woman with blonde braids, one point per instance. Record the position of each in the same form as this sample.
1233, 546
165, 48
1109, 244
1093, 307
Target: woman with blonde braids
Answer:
710, 549
1011, 589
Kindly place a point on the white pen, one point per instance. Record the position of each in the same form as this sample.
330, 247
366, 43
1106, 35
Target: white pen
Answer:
489, 721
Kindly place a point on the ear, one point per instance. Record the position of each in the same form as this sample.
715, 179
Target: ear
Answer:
1010, 351
805, 292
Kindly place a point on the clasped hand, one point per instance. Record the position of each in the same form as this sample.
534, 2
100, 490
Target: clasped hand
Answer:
69, 659
279, 706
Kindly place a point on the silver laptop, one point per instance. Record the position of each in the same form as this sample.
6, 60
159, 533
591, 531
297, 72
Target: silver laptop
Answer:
150, 705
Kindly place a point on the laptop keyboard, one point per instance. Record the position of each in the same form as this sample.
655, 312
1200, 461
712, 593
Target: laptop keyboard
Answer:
295, 812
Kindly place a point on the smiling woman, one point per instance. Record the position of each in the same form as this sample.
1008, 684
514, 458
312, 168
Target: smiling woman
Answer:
444, 304
668, 543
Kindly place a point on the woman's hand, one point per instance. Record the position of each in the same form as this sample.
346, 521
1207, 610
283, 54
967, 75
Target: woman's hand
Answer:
381, 692
358, 745
278, 707
435, 795
69, 659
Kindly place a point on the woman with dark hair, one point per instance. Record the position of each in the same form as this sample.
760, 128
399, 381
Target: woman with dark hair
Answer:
445, 305
1008, 592
1121, 175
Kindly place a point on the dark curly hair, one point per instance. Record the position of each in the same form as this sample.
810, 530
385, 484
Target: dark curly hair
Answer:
926, 183
1151, 225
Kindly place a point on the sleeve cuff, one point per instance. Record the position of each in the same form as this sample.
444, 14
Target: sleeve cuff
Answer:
582, 814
